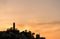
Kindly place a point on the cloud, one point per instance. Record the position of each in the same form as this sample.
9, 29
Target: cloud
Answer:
47, 27
55, 22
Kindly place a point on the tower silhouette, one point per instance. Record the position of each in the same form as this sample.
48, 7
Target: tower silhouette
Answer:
13, 25
14, 33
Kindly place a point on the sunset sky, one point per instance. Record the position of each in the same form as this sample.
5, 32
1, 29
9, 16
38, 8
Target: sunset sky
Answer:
39, 16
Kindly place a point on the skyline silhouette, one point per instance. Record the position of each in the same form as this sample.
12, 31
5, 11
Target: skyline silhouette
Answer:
39, 16
13, 33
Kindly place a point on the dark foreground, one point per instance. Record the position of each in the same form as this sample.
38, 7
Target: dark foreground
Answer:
13, 33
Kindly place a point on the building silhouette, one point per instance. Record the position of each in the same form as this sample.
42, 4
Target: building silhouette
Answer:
14, 33
13, 25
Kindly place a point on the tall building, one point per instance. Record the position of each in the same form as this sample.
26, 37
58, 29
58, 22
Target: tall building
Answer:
13, 33
13, 25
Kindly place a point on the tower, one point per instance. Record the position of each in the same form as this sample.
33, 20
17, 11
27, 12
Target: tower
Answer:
13, 25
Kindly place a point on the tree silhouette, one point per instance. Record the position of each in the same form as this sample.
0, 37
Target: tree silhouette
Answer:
13, 33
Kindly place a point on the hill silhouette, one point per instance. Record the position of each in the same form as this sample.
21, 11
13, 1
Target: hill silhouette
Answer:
13, 33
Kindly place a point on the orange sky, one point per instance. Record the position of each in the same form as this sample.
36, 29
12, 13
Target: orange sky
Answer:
39, 16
